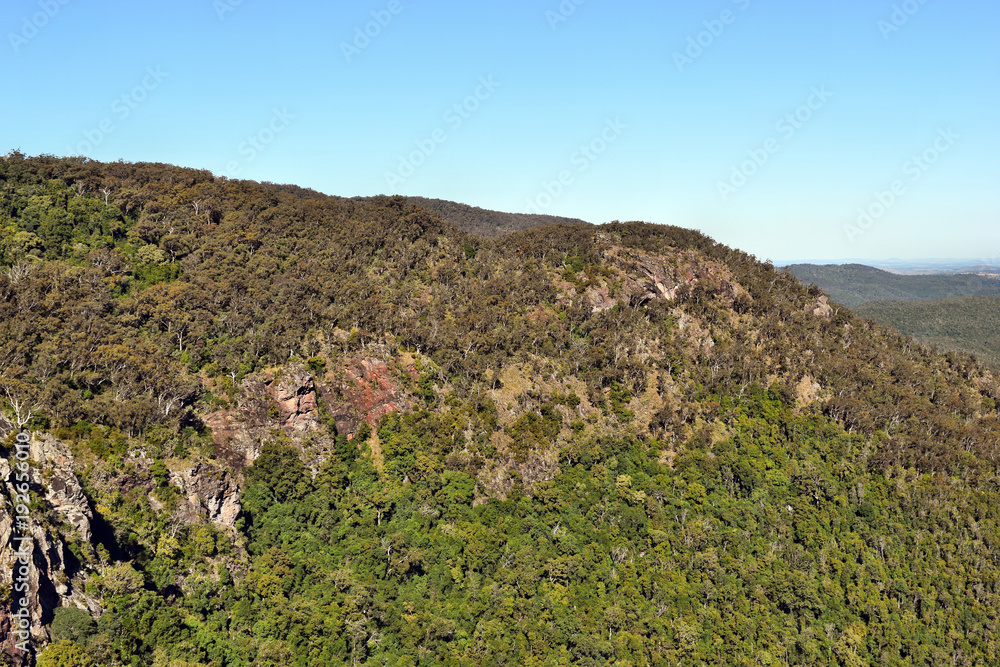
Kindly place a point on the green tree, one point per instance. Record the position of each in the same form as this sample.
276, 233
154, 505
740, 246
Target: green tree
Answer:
64, 653
73, 624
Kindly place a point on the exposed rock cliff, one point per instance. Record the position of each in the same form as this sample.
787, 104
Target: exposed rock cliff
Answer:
294, 395
210, 493
365, 389
265, 401
640, 277
63, 516
356, 390
820, 308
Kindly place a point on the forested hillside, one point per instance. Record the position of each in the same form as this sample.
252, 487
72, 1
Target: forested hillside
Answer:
484, 223
967, 323
855, 284
956, 312
273, 427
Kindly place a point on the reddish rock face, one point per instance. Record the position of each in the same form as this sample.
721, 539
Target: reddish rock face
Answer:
287, 401
238, 431
366, 392
361, 389
8, 649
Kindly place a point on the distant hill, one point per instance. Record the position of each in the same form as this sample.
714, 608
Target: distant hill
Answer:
982, 269
968, 324
483, 222
909, 267
855, 284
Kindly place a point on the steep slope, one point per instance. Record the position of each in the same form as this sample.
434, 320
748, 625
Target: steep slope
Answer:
589, 445
854, 284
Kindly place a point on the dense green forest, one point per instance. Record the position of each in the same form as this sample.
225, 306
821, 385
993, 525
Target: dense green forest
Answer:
967, 323
855, 284
623, 444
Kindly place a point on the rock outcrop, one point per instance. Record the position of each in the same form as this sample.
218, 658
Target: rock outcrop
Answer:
820, 307
294, 395
210, 493
365, 390
66, 516
640, 277
358, 389
265, 402
63, 492
655, 276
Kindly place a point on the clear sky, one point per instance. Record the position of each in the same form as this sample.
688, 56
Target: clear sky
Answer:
770, 125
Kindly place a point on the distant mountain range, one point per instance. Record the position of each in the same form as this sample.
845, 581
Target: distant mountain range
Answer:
855, 284
914, 267
955, 311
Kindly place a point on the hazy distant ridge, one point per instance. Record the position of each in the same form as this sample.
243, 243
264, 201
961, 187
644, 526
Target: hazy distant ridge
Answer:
855, 284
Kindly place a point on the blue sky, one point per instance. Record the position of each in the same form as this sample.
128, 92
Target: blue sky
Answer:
791, 130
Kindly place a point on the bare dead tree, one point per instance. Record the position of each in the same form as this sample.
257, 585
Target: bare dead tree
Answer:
19, 271
21, 402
